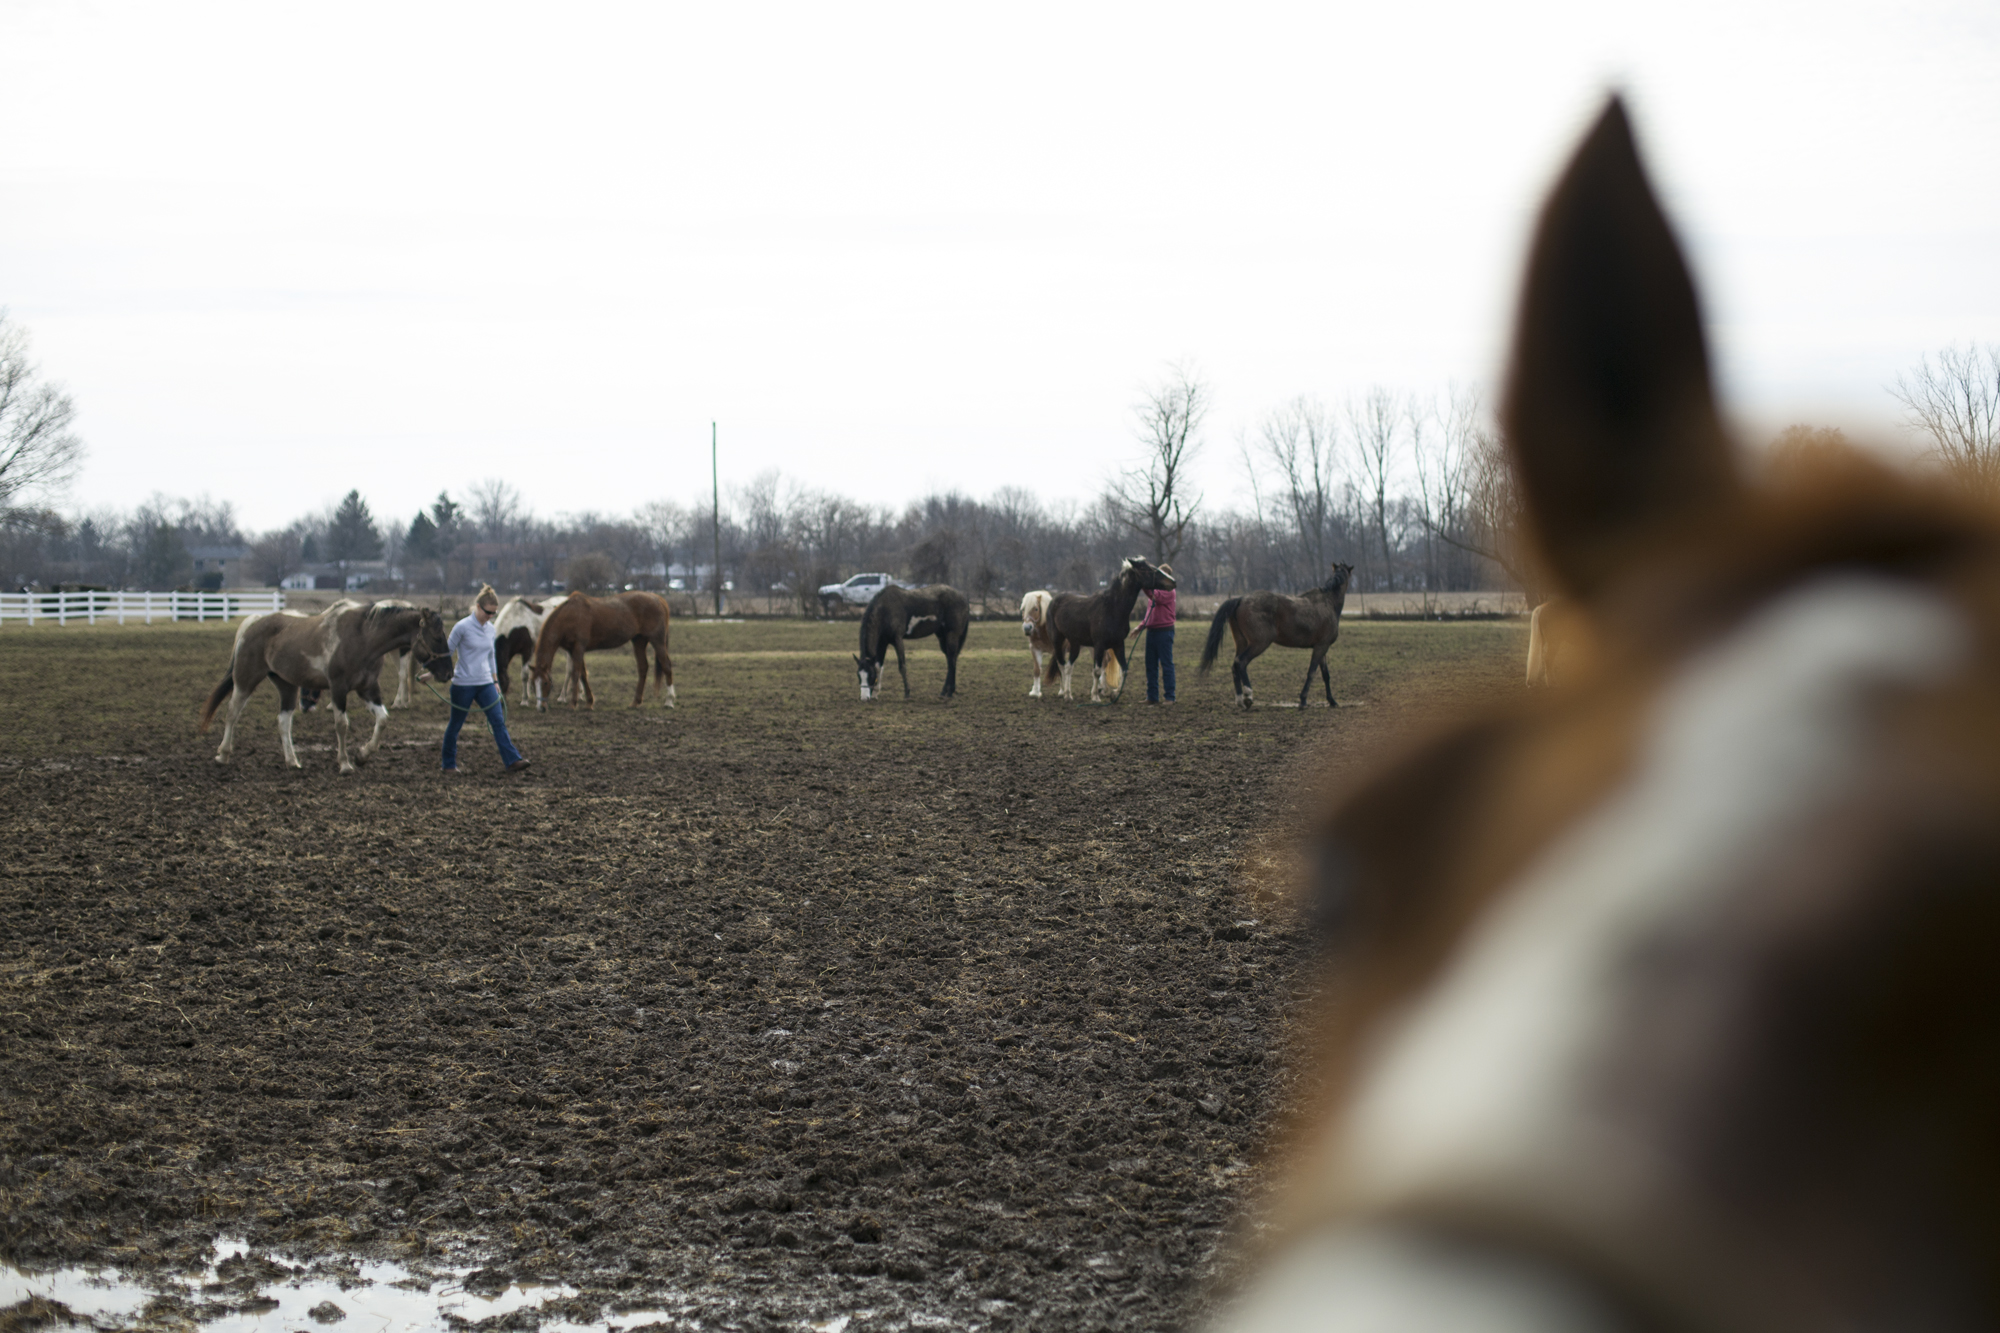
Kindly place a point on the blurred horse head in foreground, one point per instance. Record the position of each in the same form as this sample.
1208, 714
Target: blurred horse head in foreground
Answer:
1669, 998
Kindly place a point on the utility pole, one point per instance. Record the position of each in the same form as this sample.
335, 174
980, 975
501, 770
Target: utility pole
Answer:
715, 480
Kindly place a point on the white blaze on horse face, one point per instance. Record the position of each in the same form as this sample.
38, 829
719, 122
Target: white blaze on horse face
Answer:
1483, 1091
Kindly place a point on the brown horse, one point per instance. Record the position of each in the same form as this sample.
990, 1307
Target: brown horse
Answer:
1260, 619
340, 651
1099, 621
1667, 1000
587, 624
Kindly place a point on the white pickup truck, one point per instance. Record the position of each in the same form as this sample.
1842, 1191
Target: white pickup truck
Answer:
857, 591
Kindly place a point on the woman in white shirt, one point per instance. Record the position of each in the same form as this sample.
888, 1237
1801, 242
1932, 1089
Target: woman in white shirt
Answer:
472, 683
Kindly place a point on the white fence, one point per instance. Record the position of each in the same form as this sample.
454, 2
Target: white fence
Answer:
90, 608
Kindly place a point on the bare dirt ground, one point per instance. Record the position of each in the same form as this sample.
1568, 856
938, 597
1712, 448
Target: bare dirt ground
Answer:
776, 1007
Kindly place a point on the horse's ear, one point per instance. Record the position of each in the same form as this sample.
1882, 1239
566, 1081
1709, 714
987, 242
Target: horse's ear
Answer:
1609, 412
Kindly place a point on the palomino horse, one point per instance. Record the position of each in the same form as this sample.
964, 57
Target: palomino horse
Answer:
339, 650
1100, 621
895, 614
587, 624
1041, 644
515, 630
1558, 640
1666, 998
1260, 619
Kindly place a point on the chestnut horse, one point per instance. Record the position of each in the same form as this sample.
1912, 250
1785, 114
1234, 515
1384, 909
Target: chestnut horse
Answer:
587, 624
339, 650
1101, 622
1666, 998
1260, 619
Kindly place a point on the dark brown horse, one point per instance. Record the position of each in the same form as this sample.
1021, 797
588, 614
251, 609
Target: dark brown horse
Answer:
340, 651
897, 613
1099, 621
1667, 999
587, 624
1260, 619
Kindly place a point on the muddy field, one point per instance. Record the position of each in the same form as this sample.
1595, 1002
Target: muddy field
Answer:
776, 1007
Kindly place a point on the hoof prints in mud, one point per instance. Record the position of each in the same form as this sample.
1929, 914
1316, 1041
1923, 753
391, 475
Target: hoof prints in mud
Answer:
789, 1010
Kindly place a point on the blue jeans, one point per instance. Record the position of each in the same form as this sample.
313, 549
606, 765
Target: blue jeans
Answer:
1159, 662
465, 698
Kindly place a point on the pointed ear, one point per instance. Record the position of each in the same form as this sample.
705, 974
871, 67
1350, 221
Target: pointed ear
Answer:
1609, 413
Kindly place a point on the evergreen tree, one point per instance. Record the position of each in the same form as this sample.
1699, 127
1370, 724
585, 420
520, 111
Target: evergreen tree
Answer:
309, 550
352, 534
421, 540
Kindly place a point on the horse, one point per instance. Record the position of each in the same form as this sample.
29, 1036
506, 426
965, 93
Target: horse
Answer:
1260, 619
515, 630
584, 624
1665, 998
1558, 637
897, 613
1102, 621
1041, 646
339, 650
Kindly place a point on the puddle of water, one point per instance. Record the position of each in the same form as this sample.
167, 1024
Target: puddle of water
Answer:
370, 1302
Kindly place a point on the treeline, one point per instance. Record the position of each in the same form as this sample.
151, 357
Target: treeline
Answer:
1405, 489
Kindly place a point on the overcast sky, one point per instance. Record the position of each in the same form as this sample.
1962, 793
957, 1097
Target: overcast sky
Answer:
278, 251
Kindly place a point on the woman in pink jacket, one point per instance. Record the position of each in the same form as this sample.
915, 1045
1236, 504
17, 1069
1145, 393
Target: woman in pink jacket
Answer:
1158, 627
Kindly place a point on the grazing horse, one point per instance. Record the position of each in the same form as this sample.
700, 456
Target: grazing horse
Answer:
339, 650
515, 630
1100, 621
1041, 645
895, 614
585, 624
1666, 999
1260, 619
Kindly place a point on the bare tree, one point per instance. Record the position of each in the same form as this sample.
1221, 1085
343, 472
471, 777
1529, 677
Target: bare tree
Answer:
1957, 403
38, 451
1156, 504
496, 510
1300, 439
1371, 422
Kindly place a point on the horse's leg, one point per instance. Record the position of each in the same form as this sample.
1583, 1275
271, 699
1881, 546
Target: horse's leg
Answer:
1035, 685
1241, 671
951, 666
340, 729
902, 668
663, 664
1068, 673
372, 694
639, 655
405, 668
239, 698
580, 690
1326, 679
288, 701
1097, 675
1124, 669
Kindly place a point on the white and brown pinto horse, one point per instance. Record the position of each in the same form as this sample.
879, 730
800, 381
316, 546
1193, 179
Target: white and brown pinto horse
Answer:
584, 624
339, 651
897, 614
1669, 998
1041, 643
1101, 622
515, 631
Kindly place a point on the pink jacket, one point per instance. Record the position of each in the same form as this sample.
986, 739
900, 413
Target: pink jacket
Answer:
1160, 613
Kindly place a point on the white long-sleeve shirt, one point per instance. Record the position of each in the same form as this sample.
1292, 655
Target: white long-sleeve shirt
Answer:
472, 643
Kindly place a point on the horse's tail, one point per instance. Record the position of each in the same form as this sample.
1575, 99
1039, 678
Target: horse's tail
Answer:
1223, 615
216, 696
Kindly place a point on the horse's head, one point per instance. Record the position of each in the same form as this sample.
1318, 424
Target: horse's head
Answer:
432, 647
1146, 576
1666, 997
1339, 575
870, 670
